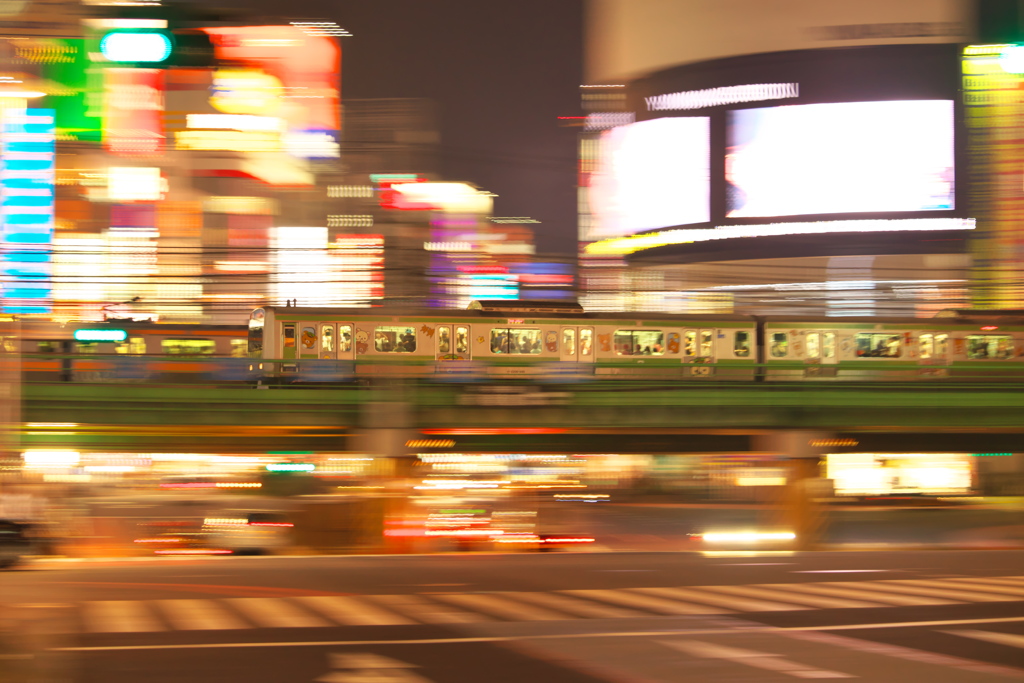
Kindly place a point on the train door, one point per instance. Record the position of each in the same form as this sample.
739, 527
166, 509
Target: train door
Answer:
577, 344
820, 353
288, 341
699, 349
820, 347
443, 342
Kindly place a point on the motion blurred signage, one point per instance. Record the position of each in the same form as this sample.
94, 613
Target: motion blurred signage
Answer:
136, 46
100, 335
27, 167
133, 101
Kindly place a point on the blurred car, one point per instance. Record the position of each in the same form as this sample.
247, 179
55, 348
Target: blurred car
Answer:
245, 532
14, 543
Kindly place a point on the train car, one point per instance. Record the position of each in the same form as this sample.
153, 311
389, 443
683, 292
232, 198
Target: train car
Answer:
501, 339
125, 350
963, 347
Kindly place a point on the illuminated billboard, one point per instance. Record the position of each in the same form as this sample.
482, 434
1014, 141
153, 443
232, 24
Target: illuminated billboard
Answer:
850, 157
652, 174
282, 72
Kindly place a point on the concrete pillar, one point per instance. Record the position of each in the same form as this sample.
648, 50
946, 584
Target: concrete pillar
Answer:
799, 508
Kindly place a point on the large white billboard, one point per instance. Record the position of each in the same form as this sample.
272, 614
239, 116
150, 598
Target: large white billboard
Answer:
652, 174
849, 157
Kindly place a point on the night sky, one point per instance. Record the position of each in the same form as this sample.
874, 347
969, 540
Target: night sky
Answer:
501, 73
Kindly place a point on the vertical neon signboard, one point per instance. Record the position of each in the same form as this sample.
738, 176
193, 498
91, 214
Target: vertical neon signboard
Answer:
27, 183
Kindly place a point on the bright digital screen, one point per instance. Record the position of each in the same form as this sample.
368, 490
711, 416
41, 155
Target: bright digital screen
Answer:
652, 174
849, 157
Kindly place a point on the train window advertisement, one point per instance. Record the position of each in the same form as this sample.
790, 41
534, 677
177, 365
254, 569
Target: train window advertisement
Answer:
982, 346
741, 344
779, 345
444, 339
461, 339
639, 342
344, 338
309, 338
690, 343
569, 342
879, 345
848, 157
652, 174
256, 321
586, 341
515, 341
394, 339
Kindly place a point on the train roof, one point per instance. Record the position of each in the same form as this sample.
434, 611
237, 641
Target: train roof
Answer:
531, 311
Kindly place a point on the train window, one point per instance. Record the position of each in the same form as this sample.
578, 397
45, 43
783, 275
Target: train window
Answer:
461, 339
84, 347
707, 343
998, 346
48, 347
239, 348
289, 336
189, 347
327, 338
779, 344
879, 345
135, 346
741, 344
926, 343
444, 339
394, 339
941, 343
344, 338
828, 345
513, 341
690, 343
586, 341
9, 344
256, 321
569, 342
639, 342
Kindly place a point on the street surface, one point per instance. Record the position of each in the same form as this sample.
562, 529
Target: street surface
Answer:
940, 616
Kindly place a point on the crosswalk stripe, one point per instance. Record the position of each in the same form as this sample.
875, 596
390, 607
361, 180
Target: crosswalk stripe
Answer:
576, 606
502, 607
731, 602
118, 616
1005, 589
427, 611
658, 605
956, 592
275, 613
997, 580
1011, 639
842, 590
351, 611
951, 595
822, 601
199, 615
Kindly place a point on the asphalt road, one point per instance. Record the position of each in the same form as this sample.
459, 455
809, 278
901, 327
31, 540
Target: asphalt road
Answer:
879, 616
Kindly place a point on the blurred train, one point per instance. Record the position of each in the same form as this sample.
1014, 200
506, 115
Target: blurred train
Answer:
120, 349
544, 341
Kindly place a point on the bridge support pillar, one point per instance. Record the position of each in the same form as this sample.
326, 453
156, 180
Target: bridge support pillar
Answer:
385, 428
800, 509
